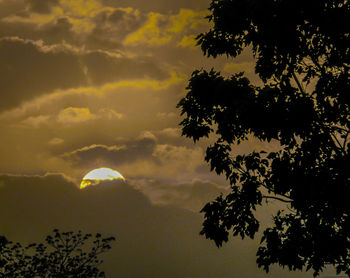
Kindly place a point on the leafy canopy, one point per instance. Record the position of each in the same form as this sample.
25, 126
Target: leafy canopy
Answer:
302, 56
66, 254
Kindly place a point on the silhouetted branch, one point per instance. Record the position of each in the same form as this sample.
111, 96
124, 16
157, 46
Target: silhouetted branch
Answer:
277, 198
298, 83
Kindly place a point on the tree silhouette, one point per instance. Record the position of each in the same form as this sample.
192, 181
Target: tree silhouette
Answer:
66, 254
302, 56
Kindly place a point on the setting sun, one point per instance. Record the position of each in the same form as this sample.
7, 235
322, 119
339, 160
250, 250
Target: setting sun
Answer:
100, 174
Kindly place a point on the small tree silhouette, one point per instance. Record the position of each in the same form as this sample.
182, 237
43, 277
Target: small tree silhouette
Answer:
63, 255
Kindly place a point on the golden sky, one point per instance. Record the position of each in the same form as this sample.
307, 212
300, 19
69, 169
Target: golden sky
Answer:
95, 83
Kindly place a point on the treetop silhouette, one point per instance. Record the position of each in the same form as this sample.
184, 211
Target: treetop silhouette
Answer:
64, 254
302, 56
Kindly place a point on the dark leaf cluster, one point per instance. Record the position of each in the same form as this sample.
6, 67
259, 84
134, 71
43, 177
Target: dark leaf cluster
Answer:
302, 56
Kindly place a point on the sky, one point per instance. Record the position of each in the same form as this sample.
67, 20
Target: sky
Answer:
94, 83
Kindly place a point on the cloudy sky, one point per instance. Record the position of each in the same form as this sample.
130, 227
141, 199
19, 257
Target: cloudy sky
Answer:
95, 83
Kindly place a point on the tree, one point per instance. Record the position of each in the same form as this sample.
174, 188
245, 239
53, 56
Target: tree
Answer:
62, 255
302, 56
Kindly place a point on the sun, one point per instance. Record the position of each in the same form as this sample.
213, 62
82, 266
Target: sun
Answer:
100, 174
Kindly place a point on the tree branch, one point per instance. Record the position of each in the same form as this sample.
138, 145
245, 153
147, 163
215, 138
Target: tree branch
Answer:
277, 198
300, 86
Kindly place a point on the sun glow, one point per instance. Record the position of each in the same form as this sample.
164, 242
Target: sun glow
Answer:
100, 174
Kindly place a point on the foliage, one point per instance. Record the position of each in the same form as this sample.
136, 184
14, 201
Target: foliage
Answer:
64, 254
302, 56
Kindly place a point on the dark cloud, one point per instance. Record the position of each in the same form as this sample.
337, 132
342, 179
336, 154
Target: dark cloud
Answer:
30, 68
103, 68
104, 30
192, 196
11, 7
26, 71
116, 16
20, 29
152, 241
57, 31
111, 28
41, 6
23, 199
160, 6
53, 32
94, 155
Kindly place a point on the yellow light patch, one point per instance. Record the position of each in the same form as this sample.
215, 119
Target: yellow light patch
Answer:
100, 174
75, 115
150, 33
81, 8
188, 41
160, 29
186, 19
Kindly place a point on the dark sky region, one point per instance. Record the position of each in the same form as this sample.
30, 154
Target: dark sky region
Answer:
95, 83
